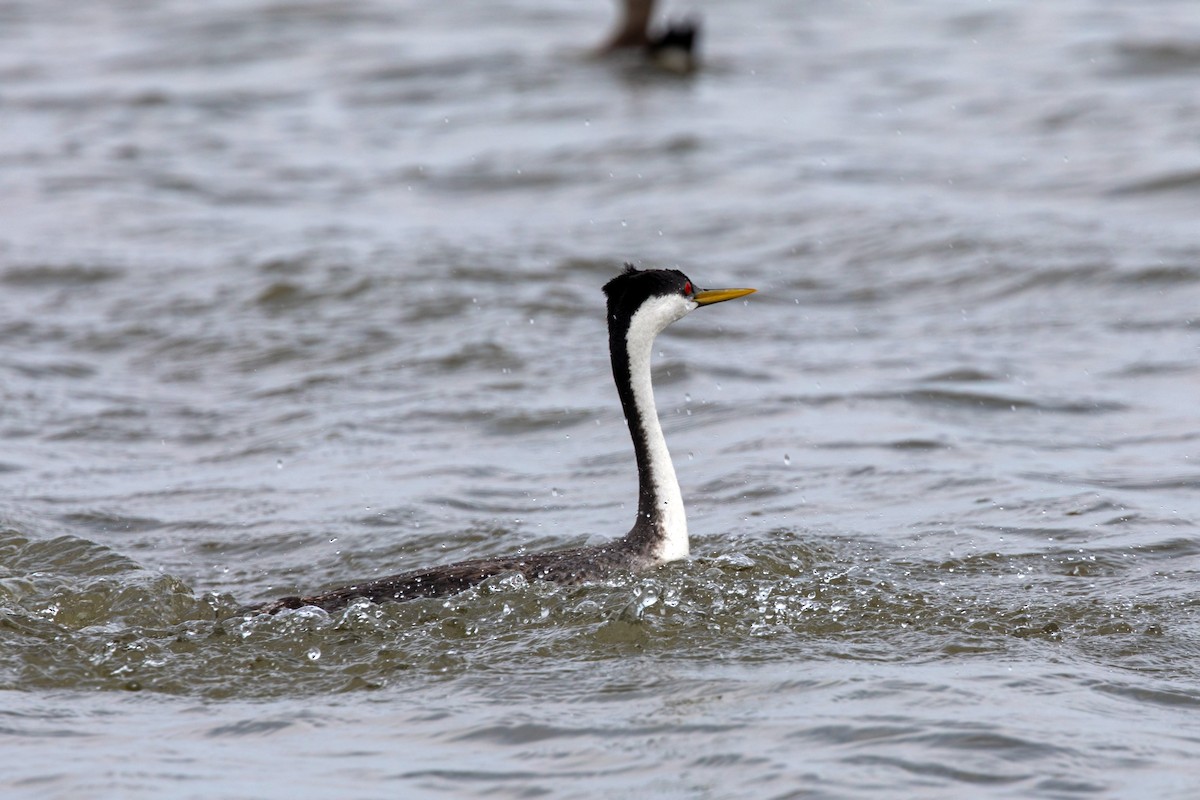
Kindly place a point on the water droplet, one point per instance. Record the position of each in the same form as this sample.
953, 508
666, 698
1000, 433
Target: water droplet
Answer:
313, 653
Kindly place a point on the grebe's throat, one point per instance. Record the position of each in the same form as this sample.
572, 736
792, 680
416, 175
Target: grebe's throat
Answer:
660, 530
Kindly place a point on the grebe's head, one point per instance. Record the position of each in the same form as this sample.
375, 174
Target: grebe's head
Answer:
660, 295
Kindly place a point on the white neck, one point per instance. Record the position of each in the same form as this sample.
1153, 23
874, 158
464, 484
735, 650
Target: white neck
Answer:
646, 323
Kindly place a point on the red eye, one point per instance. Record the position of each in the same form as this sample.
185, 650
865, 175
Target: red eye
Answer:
687, 287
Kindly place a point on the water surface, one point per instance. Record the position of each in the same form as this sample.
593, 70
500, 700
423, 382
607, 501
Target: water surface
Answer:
304, 292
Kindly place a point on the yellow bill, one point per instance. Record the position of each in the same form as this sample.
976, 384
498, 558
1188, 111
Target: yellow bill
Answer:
710, 296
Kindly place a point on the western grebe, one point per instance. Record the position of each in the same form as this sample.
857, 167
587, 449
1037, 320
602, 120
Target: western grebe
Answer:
641, 303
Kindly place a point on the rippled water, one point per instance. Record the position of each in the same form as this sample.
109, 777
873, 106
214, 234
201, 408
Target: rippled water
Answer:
293, 293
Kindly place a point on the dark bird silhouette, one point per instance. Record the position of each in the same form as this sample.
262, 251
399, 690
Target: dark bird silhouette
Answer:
674, 48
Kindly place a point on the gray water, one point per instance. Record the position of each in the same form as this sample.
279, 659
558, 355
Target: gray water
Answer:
297, 293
